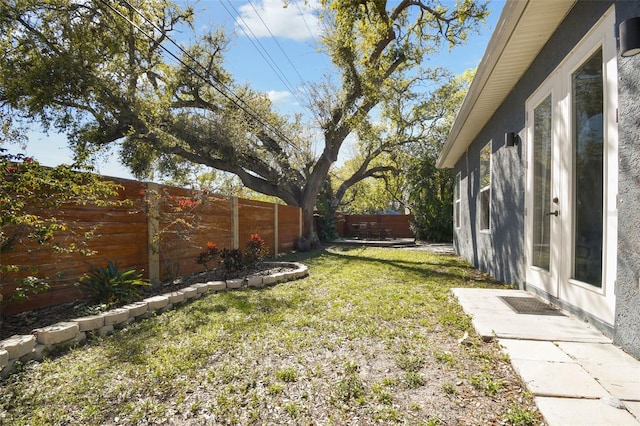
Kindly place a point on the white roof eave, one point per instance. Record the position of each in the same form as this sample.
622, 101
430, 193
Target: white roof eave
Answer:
522, 30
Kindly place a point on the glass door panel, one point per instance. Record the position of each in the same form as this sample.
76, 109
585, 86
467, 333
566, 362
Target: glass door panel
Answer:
571, 186
542, 184
588, 166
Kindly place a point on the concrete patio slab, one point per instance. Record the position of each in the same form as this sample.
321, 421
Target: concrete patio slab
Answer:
533, 350
633, 407
577, 376
558, 379
392, 242
615, 370
499, 320
581, 412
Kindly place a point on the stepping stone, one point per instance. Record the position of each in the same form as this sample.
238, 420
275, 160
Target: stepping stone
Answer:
201, 287
190, 292
175, 297
281, 277
4, 358
236, 283
268, 280
255, 281
290, 275
106, 330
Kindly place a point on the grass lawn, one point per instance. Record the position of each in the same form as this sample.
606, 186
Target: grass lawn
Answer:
370, 337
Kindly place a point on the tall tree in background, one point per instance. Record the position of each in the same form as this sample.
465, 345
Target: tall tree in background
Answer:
381, 192
97, 70
430, 190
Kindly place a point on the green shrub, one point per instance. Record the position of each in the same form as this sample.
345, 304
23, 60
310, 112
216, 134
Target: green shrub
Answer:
27, 286
234, 260
111, 286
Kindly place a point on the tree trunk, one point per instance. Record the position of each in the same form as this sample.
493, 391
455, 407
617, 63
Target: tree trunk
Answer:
309, 224
310, 197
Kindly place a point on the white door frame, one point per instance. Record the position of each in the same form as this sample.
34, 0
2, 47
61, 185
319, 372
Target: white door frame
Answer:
558, 281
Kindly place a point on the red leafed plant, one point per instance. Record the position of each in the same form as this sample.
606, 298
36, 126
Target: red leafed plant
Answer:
211, 254
255, 251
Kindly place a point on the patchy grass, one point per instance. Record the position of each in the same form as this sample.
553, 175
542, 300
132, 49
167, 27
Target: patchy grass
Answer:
371, 336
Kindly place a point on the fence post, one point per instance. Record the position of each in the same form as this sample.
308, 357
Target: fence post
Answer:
300, 223
275, 229
235, 223
152, 194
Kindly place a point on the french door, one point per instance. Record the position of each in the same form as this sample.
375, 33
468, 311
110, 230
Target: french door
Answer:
571, 221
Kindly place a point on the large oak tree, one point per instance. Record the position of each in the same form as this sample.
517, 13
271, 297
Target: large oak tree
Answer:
107, 71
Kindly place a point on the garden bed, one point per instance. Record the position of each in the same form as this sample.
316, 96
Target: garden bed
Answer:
26, 322
35, 335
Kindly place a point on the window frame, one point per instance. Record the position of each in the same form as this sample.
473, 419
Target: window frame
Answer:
484, 212
457, 201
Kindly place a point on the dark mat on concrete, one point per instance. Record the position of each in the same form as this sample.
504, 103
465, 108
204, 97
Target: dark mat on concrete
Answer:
530, 306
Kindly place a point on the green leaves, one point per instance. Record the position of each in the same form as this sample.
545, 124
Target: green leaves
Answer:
112, 286
101, 72
30, 195
29, 192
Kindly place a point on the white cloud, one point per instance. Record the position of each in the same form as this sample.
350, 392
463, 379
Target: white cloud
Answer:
279, 96
296, 21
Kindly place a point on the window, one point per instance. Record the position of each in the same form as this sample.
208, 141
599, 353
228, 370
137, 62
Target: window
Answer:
456, 202
485, 187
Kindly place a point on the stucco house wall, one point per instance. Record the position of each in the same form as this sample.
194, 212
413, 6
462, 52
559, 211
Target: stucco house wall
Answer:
501, 251
627, 325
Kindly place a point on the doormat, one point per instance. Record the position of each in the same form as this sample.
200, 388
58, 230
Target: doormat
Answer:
530, 306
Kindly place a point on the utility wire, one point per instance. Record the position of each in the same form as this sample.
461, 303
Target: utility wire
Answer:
231, 96
261, 50
278, 43
297, 3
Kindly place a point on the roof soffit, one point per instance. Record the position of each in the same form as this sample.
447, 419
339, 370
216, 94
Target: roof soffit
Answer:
522, 30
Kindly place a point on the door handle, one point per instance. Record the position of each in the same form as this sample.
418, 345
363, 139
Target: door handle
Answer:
554, 213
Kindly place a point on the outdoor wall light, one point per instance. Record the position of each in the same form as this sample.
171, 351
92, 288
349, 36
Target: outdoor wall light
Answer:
511, 139
630, 37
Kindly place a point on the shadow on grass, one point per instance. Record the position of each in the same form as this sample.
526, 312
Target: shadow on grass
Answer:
132, 346
463, 275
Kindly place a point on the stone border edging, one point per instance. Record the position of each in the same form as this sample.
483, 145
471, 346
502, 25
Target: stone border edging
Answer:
35, 346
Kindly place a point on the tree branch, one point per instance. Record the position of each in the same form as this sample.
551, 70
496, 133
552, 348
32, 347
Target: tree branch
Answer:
376, 172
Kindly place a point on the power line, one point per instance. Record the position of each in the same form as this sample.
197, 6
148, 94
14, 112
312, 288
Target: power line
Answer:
277, 42
229, 96
261, 50
297, 3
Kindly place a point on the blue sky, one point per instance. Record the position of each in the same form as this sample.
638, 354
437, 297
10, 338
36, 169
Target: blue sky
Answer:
261, 32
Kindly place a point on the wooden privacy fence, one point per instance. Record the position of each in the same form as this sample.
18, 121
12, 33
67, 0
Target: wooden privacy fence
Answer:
388, 226
160, 231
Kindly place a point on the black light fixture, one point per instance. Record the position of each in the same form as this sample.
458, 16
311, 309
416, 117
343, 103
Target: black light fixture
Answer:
511, 139
630, 37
